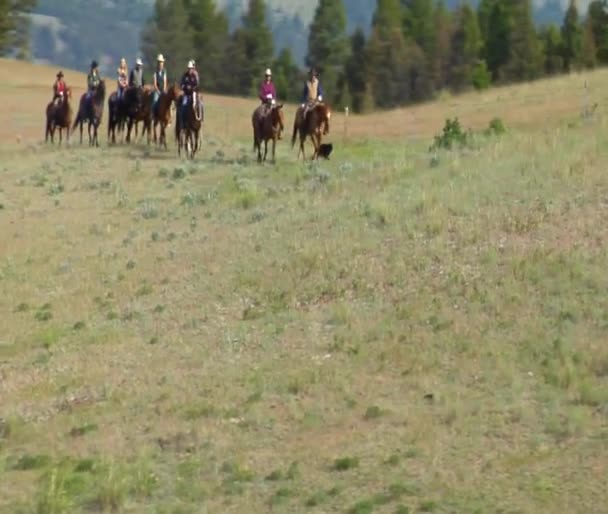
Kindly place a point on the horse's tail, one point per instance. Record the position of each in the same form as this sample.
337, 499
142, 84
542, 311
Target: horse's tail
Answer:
76, 121
295, 132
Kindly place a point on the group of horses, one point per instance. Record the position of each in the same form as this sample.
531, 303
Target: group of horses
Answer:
135, 105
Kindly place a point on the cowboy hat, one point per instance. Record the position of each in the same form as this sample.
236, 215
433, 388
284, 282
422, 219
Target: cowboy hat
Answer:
60, 74
160, 58
268, 72
191, 64
139, 62
94, 64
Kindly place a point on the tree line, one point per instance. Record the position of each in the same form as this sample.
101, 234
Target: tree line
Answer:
416, 48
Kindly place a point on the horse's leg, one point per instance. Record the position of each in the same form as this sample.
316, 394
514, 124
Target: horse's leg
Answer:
265, 149
81, 129
274, 149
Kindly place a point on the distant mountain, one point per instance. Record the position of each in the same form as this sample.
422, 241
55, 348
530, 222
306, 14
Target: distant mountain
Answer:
71, 32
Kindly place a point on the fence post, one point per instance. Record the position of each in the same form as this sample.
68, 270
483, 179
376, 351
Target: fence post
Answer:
346, 112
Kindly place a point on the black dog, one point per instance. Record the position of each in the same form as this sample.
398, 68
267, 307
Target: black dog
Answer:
325, 150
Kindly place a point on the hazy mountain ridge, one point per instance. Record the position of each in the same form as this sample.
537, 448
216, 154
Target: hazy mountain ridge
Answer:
72, 32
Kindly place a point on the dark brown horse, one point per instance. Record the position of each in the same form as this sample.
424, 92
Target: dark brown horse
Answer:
161, 114
314, 124
91, 110
117, 116
188, 123
268, 123
59, 115
138, 103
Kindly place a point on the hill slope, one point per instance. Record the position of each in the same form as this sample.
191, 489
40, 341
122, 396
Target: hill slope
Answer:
380, 333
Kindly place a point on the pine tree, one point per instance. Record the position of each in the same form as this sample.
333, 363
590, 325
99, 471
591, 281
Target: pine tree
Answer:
589, 49
466, 45
419, 24
250, 51
356, 70
572, 38
287, 77
158, 36
497, 44
209, 40
551, 40
442, 51
525, 57
328, 45
597, 17
387, 56
419, 31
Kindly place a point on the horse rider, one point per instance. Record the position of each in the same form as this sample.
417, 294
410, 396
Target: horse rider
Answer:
93, 80
189, 84
268, 93
160, 81
123, 78
59, 88
313, 92
136, 77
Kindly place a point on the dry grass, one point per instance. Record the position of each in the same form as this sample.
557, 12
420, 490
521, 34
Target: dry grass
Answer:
370, 334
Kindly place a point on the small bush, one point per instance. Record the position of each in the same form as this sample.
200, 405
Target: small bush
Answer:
452, 136
27, 462
496, 127
481, 78
373, 412
345, 463
362, 507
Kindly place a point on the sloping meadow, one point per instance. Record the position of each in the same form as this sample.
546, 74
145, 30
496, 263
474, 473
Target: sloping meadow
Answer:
390, 331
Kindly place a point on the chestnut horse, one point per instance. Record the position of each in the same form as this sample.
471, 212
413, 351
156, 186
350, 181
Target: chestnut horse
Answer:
268, 123
59, 116
161, 113
315, 124
92, 111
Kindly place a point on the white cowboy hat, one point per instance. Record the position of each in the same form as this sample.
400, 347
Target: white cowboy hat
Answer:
139, 62
160, 58
268, 72
191, 64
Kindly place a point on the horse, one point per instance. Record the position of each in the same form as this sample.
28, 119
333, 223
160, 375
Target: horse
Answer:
188, 124
268, 123
315, 124
117, 116
91, 110
138, 104
59, 116
161, 114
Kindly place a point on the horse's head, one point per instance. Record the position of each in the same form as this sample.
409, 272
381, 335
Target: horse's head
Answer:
277, 117
173, 92
100, 92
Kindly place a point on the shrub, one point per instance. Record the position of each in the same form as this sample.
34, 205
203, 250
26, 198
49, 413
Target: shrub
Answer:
481, 77
496, 127
452, 136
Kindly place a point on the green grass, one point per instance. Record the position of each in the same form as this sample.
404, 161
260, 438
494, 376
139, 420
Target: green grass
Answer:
385, 332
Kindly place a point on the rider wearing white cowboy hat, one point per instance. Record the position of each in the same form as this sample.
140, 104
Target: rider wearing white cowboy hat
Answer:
190, 82
268, 93
136, 77
160, 79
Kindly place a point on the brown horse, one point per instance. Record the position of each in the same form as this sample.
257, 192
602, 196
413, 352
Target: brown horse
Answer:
59, 115
314, 124
161, 114
188, 124
268, 123
91, 110
138, 104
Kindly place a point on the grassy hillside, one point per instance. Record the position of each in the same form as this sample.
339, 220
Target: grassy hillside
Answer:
387, 332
